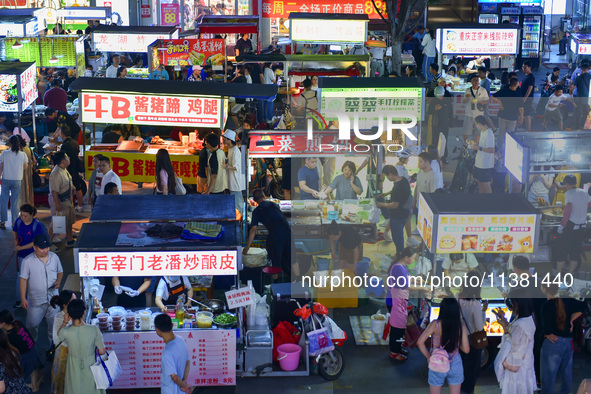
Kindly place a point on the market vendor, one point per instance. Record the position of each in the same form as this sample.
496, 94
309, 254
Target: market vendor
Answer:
57, 118
130, 298
350, 245
458, 264
309, 179
280, 242
560, 185
170, 289
347, 185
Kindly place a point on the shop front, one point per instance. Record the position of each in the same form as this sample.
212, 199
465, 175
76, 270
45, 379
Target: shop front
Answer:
119, 242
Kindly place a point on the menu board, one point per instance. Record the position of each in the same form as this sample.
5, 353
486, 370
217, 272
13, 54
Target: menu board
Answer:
425, 222
212, 354
499, 233
193, 52
63, 48
473, 41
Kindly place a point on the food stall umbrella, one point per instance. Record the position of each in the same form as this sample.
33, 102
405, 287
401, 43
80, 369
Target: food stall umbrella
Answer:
18, 89
115, 243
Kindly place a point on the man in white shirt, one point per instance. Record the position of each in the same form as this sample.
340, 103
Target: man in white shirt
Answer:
108, 176
425, 178
170, 288
476, 100
485, 158
473, 65
236, 179
40, 279
555, 105
459, 264
572, 226
112, 70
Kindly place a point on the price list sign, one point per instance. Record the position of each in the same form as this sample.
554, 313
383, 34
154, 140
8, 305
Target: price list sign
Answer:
212, 355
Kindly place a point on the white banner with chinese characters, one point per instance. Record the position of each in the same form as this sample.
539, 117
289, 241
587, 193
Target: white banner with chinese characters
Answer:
28, 86
473, 41
326, 30
184, 263
126, 42
152, 109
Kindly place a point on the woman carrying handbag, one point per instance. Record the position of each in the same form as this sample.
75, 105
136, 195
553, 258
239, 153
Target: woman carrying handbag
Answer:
473, 317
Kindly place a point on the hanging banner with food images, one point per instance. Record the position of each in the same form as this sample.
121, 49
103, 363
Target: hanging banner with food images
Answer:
193, 52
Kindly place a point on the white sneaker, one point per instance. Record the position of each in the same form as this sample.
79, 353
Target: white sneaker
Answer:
385, 223
56, 240
387, 237
78, 209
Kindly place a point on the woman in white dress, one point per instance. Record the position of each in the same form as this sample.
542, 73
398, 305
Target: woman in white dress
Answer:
514, 364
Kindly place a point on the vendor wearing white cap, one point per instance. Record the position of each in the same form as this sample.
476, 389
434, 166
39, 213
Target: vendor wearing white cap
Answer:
170, 289
195, 74
234, 167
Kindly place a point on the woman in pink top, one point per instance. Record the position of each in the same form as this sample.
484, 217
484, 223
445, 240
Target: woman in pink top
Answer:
398, 282
165, 175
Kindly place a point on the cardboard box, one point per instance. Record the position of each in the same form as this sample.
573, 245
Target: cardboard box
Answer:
343, 296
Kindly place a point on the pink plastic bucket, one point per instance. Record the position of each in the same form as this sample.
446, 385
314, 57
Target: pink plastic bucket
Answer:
289, 356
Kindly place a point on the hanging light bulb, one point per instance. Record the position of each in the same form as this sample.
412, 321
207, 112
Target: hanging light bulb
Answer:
17, 44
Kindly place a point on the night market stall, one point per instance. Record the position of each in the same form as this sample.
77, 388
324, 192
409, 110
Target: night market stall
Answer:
194, 105
191, 236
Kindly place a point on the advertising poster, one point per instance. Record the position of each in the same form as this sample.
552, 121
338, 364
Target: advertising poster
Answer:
8, 93
169, 14
471, 41
282, 8
425, 222
193, 52
500, 233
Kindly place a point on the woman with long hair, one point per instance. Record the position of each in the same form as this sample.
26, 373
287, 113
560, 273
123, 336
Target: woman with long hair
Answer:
472, 311
398, 282
27, 195
449, 333
82, 340
21, 339
514, 364
430, 52
13, 163
58, 370
558, 315
11, 374
165, 175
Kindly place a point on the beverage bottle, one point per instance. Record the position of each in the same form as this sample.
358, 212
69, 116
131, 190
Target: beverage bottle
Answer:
180, 310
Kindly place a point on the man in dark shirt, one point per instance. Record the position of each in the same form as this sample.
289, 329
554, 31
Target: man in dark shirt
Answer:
75, 168
56, 97
398, 206
57, 118
280, 242
90, 27
527, 89
256, 73
202, 172
582, 83
511, 113
114, 136
243, 45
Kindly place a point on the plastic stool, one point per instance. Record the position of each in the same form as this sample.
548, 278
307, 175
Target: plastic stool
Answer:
269, 271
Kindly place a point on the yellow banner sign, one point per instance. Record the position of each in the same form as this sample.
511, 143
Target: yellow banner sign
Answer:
141, 167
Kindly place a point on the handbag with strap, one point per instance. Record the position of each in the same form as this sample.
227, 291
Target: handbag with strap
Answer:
179, 188
105, 370
478, 339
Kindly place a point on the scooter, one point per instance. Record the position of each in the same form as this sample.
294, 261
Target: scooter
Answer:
329, 364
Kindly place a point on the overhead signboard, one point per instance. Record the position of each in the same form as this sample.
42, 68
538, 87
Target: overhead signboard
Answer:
17, 92
127, 42
328, 30
144, 264
471, 41
522, 2
499, 233
290, 143
193, 52
152, 109
84, 13
584, 49
282, 8
19, 29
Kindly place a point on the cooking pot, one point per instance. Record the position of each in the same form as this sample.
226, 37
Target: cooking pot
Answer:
215, 306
